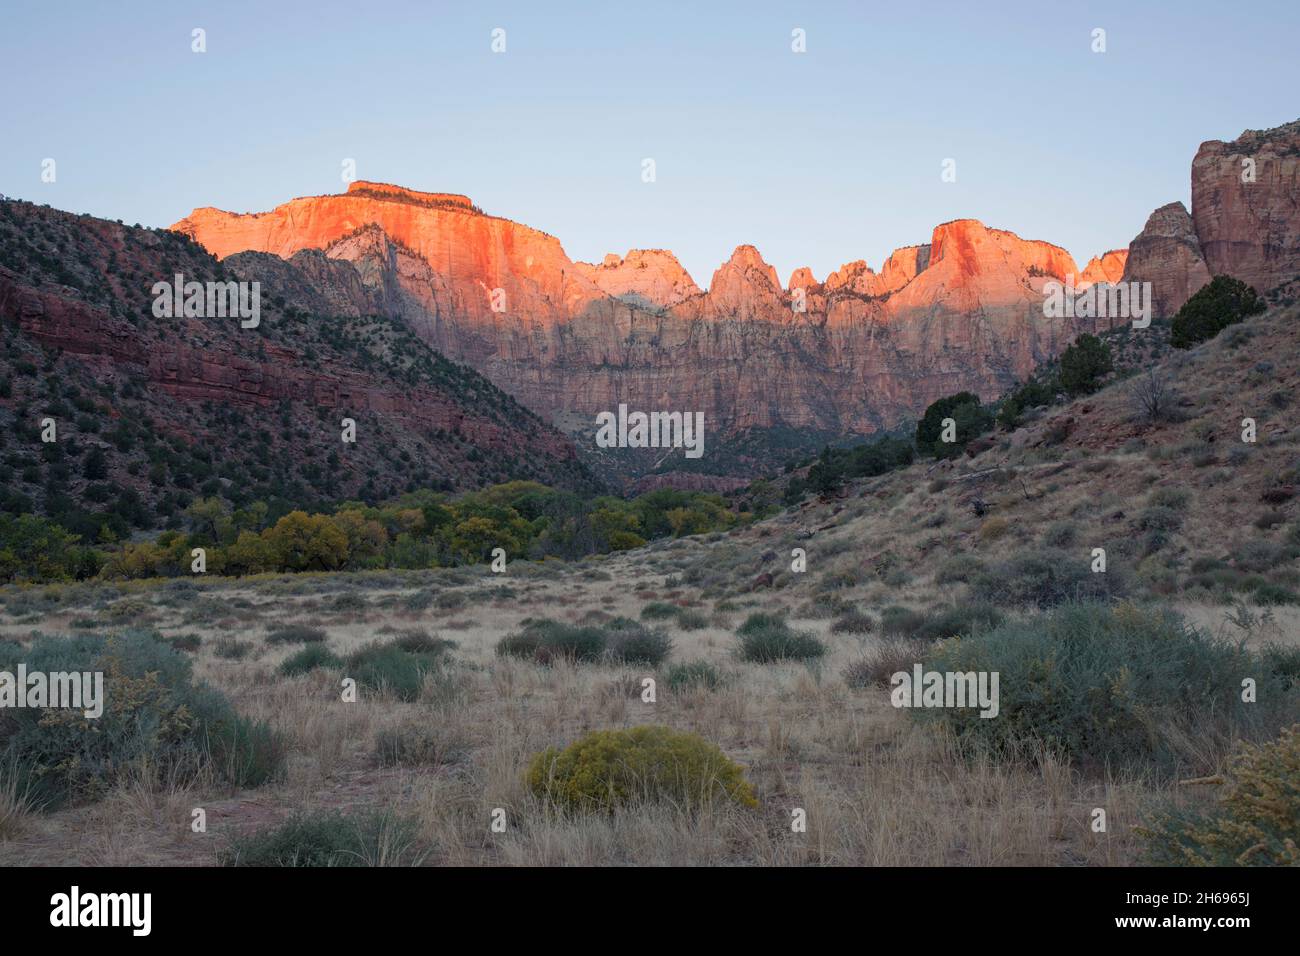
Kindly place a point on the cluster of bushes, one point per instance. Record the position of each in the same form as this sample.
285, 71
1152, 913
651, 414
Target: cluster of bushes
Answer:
768, 638
396, 668
1113, 686
1080, 370
330, 838
1221, 302
419, 530
608, 769
1045, 578
157, 724
970, 420
618, 641
33, 548
1032, 394
686, 619
835, 466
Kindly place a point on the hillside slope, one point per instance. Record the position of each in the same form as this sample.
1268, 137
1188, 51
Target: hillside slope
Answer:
150, 412
1185, 509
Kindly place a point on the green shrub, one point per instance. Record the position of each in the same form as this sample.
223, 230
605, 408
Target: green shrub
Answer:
681, 677
157, 724
228, 648
328, 838
1256, 822
959, 620
633, 643
766, 638
295, 634
958, 568
451, 600
246, 753
759, 621
349, 602
659, 610
1283, 661
970, 420
1223, 301
855, 622
1046, 578
308, 659
899, 621
421, 642
692, 620
1118, 686
545, 641
1060, 534
1084, 364
1269, 594
611, 768
387, 669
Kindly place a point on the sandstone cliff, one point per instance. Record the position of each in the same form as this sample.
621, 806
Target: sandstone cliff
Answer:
870, 350
1167, 253
1107, 267
866, 351
1246, 205
647, 277
1245, 220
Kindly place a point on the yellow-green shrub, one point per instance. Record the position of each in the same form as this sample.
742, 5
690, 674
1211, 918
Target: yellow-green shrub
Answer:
1257, 822
609, 768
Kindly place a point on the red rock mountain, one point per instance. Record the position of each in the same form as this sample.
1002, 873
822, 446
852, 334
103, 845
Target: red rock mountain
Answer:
183, 405
868, 350
1245, 220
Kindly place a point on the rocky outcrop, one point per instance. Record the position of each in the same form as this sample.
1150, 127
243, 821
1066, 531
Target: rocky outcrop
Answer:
1167, 253
1246, 205
652, 278
1107, 267
1245, 220
473, 254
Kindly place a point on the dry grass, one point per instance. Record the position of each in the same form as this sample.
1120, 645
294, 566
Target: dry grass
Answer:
876, 788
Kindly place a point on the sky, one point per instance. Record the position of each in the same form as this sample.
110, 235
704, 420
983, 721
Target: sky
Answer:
817, 158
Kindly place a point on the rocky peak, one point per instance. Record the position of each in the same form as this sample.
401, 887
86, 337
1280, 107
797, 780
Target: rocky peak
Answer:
902, 266
802, 278
649, 277
745, 287
855, 277
1107, 267
1167, 254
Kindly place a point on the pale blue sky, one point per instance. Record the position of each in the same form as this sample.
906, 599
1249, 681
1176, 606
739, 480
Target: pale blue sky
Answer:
817, 159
